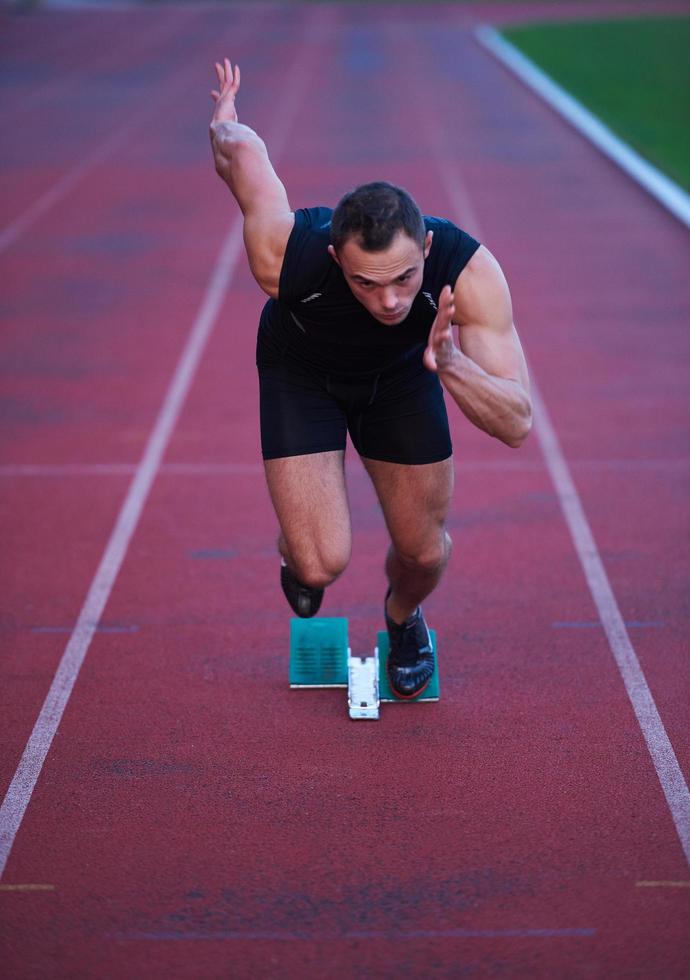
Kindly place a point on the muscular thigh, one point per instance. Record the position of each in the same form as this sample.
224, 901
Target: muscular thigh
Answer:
414, 500
310, 501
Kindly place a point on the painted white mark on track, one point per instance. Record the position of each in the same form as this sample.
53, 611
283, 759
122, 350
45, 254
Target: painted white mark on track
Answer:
668, 193
24, 781
22, 786
663, 757
660, 748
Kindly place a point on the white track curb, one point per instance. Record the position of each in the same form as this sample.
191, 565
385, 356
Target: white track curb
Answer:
657, 184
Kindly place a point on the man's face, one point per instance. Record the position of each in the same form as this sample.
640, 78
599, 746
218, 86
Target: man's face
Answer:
386, 282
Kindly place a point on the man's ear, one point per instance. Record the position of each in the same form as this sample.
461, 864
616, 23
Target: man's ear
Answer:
427, 243
333, 254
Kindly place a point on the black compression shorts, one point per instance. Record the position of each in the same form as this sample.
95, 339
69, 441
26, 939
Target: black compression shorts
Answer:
398, 415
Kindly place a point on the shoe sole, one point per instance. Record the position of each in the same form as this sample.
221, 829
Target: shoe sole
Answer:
408, 697
302, 600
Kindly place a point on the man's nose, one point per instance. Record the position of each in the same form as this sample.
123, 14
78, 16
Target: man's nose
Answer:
389, 299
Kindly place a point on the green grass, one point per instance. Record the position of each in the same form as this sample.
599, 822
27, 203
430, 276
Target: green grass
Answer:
633, 74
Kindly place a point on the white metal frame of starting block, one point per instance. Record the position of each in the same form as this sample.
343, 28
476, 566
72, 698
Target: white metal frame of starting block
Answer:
363, 686
320, 657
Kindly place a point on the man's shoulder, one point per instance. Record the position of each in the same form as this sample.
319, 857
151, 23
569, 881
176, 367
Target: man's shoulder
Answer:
306, 263
311, 234
451, 250
448, 237
316, 221
443, 225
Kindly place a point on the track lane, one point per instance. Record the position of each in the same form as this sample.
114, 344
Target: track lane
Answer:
502, 795
628, 340
64, 129
65, 397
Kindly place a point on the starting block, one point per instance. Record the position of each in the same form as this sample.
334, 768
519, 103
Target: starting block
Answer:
319, 650
320, 656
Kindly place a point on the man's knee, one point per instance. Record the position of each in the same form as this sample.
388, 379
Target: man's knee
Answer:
321, 566
429, 556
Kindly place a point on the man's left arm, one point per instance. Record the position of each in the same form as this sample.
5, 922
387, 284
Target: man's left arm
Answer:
485, 372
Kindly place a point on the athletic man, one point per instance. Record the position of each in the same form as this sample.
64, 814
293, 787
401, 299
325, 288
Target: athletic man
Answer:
357, 336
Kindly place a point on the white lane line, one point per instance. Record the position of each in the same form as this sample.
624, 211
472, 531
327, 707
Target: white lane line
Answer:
22, 785
58, 470
389, 935
16, 228
24, 781
660, 748
12, 471
15, 470
631, 624
665, 762
86, 36
662, 884
179, 85
668, 193
62, 188
27, 888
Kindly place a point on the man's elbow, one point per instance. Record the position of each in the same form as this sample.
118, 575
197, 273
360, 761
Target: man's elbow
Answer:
232, 144
522, 426
235, 136
516, 439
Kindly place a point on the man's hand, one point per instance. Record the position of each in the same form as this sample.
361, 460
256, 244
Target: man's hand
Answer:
224, 98
440, 349
485, 372
242, 162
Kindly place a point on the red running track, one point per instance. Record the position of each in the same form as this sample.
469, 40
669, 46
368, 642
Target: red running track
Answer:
194, 817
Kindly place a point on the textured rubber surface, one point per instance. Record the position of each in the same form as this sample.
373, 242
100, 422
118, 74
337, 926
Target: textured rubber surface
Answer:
194, 817
318, 652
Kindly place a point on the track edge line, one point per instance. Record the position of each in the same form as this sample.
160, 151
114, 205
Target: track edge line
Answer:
646, 175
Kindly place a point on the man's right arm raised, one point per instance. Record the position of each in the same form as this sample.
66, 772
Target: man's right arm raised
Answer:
242, 161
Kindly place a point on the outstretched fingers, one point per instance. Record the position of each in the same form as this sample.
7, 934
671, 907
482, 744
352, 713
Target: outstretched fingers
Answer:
232, 78
228, 80
441, 327
446, 307
440, 344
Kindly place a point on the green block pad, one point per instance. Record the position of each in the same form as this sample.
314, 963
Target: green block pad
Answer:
433, 691
318, 652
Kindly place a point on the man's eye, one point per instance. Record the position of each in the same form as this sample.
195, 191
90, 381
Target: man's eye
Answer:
403, 278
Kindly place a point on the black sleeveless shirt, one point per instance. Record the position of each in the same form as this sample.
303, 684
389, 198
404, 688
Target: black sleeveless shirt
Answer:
318, 317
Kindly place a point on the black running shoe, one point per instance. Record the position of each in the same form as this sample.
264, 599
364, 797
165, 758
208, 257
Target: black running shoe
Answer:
411, 662
304, 600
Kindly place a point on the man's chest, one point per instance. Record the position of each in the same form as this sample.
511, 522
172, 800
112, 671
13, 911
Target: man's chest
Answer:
331, 312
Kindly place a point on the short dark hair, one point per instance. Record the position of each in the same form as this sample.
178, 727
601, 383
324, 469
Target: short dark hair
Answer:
374, 214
